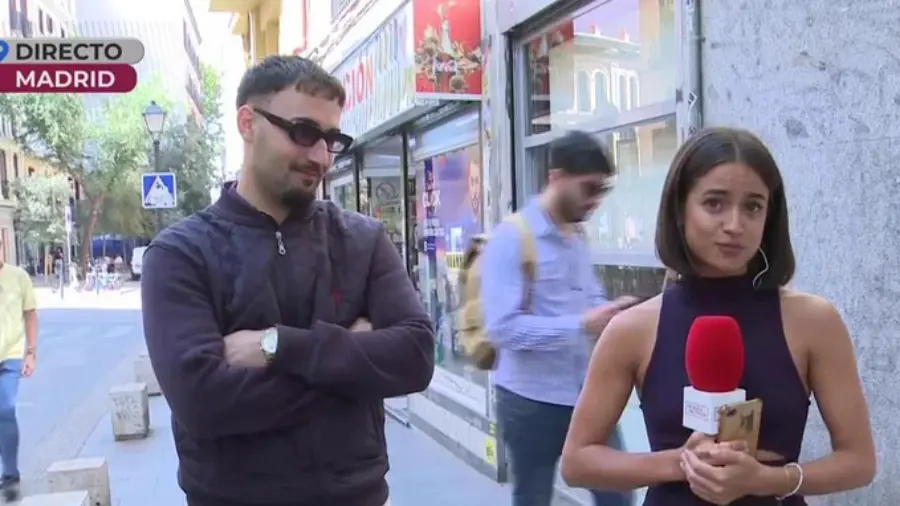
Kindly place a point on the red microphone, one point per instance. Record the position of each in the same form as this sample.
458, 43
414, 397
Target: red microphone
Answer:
714, 359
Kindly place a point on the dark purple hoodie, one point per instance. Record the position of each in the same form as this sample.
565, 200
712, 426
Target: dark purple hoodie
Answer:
309, 429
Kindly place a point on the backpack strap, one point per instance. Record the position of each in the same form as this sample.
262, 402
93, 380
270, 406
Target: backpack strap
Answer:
529, 257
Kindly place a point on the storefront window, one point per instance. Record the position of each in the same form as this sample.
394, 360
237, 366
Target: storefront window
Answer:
340, 184
626, 220
604, 62
344, 194
449, 215
381, 188
628, 280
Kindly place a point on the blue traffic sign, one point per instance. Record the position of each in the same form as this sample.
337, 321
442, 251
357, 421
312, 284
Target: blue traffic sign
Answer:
159, 190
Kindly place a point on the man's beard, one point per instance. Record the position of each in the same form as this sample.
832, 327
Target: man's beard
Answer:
570, 213
299, 197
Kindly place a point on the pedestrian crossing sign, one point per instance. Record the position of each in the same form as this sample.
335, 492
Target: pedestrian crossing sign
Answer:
159, 190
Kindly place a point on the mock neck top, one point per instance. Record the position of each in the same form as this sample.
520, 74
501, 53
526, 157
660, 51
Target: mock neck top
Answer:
769, 374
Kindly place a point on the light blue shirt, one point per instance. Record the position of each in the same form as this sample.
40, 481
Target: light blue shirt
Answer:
543, 351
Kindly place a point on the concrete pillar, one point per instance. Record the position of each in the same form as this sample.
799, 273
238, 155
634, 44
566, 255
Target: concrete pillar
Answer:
79, 498
143, 373
86, 474
129, 409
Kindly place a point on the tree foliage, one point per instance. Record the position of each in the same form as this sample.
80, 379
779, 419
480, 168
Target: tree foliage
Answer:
192, 149
40, 211
101, 147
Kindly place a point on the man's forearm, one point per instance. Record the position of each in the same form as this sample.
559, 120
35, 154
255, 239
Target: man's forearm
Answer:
384, 363
31, 330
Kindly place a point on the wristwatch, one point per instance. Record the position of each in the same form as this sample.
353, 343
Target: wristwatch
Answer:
268, 343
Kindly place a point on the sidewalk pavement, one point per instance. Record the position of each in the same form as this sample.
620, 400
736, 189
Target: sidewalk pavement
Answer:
126, 297
423, 473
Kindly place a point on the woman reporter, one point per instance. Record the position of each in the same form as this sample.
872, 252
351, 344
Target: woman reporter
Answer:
723, 229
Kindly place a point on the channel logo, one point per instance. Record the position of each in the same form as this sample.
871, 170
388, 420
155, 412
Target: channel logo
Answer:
69, 65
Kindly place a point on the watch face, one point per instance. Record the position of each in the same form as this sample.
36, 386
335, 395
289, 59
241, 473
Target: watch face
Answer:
270, 341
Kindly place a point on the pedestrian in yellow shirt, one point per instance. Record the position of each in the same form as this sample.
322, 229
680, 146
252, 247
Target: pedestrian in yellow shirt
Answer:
18, 345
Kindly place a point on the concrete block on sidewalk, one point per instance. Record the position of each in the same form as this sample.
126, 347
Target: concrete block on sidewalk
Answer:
79, 498
87, 474
129, 409
143, 373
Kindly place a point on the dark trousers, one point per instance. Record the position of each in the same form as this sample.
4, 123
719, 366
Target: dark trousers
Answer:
534, 433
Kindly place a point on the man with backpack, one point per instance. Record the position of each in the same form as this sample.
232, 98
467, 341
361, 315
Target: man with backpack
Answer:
543, 309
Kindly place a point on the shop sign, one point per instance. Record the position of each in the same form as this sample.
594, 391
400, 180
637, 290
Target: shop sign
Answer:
379, 77
447, 45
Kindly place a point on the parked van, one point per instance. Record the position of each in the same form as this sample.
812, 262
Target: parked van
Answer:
137, 262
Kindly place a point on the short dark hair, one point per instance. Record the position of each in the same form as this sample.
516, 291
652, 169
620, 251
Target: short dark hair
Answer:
701, 153
276, 73
578, 152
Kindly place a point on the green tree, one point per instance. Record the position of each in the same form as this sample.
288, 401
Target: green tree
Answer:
211, 89
193, 150
123, 213
100, 148
40, 211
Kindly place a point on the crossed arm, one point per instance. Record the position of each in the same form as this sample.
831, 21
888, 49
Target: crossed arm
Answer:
211, 398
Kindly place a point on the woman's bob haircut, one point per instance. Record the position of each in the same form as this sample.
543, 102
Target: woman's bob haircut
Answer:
704, 151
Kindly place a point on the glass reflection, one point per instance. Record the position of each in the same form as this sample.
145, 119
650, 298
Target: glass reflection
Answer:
340, 187
622, 280
614, 57
626, 219
381, 189
449, 215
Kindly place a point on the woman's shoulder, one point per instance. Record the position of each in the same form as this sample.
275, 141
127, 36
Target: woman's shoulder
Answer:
638, 320
801, 302
813, 312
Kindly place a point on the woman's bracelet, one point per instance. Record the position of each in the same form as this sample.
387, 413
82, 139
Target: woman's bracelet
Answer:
799, 479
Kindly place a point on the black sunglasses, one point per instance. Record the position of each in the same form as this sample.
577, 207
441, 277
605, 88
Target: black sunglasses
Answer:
307, 133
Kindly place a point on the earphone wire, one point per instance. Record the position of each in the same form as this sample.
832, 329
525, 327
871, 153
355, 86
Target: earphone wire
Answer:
758, 278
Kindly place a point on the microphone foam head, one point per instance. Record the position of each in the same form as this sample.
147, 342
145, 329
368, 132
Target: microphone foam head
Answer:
714, 355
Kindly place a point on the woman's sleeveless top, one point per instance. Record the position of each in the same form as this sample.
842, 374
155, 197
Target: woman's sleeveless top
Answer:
769, 375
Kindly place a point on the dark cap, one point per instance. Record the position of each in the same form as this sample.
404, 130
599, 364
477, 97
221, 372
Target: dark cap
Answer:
578, 152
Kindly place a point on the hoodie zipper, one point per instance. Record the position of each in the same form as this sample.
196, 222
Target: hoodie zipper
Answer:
280, 240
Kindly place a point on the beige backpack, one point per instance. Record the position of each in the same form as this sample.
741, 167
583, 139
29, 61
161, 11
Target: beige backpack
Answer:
471, 315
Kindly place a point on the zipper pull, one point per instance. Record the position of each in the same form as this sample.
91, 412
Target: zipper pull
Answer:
281, 250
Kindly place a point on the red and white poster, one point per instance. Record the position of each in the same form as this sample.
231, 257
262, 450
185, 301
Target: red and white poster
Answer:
447, 48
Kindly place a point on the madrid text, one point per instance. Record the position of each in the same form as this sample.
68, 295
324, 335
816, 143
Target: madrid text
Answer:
70, 80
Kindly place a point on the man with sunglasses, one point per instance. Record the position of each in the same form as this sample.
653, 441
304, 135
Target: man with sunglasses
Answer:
544, 343
277, 324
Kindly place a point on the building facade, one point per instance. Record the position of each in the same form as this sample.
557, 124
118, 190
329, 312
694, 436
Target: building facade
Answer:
645, 74
171, 38
414, 79
259, 23
24, 18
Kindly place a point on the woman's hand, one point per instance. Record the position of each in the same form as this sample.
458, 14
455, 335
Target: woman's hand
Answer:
721, 474
699, 442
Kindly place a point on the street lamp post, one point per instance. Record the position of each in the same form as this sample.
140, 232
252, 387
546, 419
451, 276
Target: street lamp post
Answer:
155, 121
